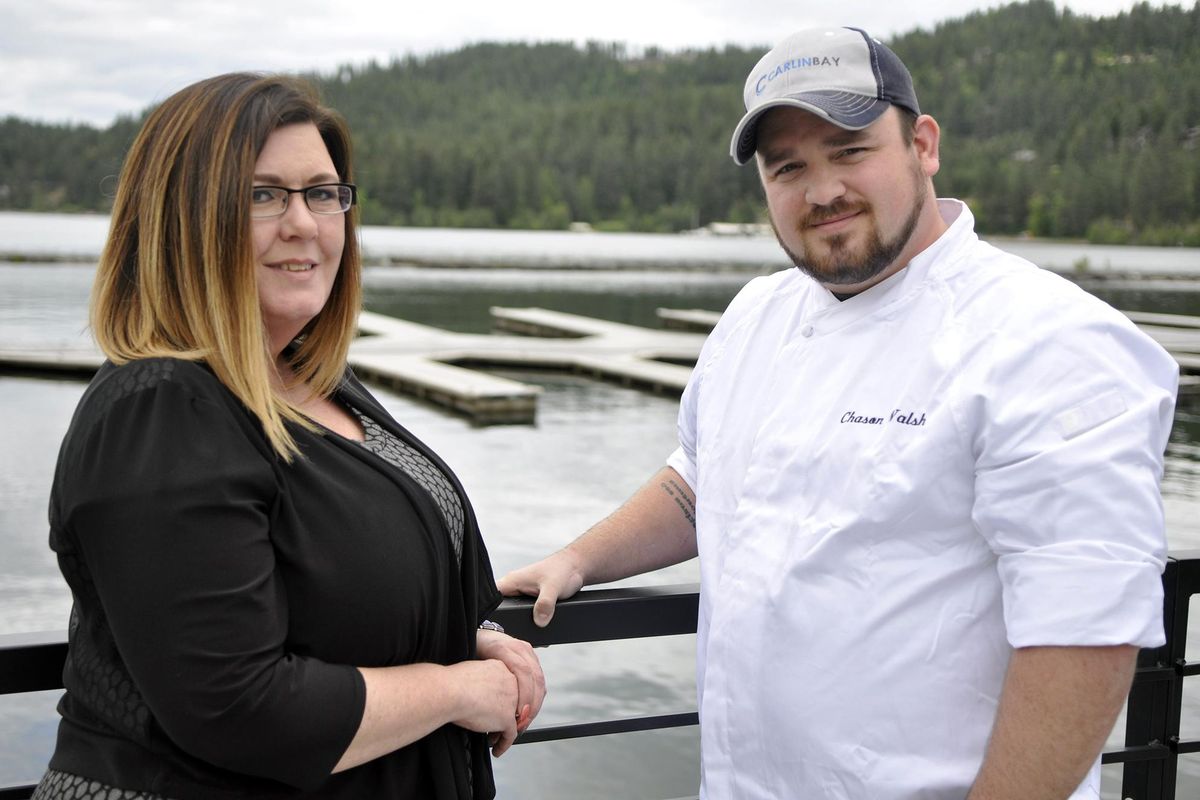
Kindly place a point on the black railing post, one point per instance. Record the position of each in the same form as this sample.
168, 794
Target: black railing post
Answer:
1154, 693
1187, 585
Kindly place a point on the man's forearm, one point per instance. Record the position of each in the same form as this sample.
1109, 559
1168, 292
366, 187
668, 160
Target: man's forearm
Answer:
654, 528
1056, 710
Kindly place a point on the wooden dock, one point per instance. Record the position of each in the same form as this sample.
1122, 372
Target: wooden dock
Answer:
441, 366
448, 369
697, 320
1178, 334
78, 362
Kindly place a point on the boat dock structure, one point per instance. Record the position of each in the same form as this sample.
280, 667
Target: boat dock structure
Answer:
449, 369
444, 367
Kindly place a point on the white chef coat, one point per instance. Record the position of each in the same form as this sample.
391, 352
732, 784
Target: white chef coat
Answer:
896, 490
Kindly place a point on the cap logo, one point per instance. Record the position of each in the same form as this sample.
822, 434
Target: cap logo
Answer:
795, 63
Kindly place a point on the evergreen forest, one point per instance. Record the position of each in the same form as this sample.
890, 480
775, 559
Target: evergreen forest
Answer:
1053, 124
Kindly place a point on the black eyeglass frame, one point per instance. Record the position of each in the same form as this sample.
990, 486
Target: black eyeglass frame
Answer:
303, 191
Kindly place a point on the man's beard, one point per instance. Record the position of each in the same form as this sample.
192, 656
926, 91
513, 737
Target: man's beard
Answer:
842, 267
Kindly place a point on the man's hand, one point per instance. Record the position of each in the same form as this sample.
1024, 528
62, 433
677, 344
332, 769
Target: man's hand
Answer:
654, 528
549, 580
522, 662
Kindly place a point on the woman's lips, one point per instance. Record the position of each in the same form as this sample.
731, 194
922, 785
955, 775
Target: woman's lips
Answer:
293, 266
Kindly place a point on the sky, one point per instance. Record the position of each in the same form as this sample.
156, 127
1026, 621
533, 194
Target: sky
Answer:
89, 61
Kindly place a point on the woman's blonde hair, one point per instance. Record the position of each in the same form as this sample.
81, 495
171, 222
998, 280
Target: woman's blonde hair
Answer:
177, 275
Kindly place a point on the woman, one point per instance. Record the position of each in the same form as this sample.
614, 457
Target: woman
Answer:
278, 590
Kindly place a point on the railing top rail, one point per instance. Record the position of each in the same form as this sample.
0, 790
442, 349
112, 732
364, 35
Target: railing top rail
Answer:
32, 662
601, 614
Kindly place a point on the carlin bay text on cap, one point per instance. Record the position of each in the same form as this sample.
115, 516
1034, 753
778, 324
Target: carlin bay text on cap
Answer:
796, 63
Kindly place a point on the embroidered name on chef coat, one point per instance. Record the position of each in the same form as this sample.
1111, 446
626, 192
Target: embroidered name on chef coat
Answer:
897, 416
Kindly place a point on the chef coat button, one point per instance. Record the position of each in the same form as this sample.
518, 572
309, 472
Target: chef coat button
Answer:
806, 331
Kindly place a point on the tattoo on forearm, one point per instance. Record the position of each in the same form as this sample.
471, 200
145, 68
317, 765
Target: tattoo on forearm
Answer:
676, 492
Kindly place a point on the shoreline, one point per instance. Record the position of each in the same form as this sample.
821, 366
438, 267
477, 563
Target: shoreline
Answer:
1084, 275
46, 238
716, 230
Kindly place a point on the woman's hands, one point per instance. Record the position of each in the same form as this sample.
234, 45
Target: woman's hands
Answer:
518, 658
405, 703
498, 694
487, 694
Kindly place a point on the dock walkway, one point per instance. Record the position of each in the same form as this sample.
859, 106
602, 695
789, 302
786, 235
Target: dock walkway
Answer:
440, 365
448, 369
444, 367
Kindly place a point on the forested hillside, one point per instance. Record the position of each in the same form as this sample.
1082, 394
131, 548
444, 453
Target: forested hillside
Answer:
1053, 124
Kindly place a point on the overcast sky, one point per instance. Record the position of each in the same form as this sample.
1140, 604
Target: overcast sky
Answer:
91, 60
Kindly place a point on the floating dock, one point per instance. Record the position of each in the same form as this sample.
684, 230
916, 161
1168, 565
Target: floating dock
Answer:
79, 362
448, 369
696, 320
442, 366
1178, 334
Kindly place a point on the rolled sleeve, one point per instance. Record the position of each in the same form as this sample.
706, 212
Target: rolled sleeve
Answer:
683, 460
685, 465
1067, 595
1068, 464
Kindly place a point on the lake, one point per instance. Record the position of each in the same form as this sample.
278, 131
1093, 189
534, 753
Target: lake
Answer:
81, 236
535, 486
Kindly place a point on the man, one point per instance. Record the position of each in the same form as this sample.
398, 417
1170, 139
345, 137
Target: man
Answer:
921, 476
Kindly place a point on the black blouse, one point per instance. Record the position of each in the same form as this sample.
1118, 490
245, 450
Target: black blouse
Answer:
223, 598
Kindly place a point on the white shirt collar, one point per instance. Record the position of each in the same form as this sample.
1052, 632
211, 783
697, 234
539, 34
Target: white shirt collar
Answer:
960, 230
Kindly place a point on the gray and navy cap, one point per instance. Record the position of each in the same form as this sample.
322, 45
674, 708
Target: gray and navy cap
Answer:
839, 74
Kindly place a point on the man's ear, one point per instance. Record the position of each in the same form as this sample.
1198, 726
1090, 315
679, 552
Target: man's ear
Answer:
927, 137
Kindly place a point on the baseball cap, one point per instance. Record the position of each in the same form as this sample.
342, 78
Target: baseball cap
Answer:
839, 74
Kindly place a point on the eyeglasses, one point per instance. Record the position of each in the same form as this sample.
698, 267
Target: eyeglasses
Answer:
323, 198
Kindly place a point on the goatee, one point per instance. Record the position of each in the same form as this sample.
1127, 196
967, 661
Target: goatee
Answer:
841, 267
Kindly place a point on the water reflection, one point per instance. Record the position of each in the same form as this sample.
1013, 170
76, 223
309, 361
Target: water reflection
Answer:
460, 300
44, 306
1165, 297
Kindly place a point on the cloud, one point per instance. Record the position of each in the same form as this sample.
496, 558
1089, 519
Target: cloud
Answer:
88, 61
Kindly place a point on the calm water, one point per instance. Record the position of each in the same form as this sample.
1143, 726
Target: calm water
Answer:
534, 486
82, 236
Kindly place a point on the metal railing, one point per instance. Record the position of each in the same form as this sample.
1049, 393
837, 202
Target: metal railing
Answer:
33, 662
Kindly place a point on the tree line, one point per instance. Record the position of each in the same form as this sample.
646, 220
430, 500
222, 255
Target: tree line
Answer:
1053, 124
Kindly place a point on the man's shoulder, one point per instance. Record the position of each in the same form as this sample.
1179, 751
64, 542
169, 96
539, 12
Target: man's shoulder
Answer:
995, 288
1020, 314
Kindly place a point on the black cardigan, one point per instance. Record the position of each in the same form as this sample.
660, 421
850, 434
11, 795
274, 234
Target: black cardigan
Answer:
223, 598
